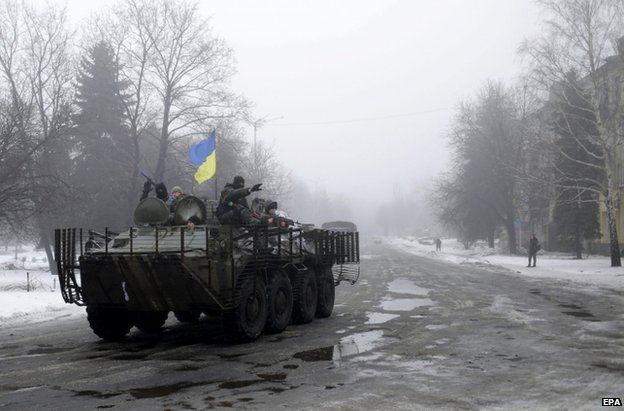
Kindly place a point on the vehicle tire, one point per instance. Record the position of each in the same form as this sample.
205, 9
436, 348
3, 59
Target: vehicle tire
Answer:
326, 292
305, 297
188, 316
150, 321
109, 322
247, 320
280, 303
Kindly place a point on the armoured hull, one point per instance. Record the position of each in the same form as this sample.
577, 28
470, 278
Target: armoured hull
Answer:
203, 269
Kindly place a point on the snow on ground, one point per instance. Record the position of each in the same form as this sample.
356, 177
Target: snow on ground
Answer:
28, 292
593, 270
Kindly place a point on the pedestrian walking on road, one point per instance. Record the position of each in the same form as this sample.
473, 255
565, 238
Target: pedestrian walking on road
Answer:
438, 244
534, 247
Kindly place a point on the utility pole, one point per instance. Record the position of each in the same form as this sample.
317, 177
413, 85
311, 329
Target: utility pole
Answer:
256, 124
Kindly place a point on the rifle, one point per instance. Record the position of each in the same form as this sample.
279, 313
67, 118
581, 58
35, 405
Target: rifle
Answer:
147, 178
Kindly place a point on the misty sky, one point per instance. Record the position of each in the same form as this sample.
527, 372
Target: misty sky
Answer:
366, 89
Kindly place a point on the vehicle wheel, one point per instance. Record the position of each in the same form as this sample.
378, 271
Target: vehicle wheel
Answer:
150, 321
247, 320
280, 303
305, 293
109, 323
326, 293
188, 316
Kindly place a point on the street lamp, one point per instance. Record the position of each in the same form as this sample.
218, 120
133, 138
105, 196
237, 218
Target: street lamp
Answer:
258, 123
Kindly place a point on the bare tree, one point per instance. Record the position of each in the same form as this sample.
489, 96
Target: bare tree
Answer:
489, 142
35, 61
188, 68
260, 165
578, 44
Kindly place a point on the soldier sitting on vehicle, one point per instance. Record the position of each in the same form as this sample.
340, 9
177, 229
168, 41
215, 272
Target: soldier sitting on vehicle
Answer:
273, 217
233, 207
161, 190
174, 199
176, 195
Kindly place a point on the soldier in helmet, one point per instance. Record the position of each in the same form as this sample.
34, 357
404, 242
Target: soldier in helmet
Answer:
176, 195
233, 207
273, 218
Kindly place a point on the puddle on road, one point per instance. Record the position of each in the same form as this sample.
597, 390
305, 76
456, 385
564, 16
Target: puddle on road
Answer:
239, 384
405, 286
163, 390
273, 376
380, 318
571, 306
350, 345
405, 304
129, 356
48, 350
579, 312
97, 394
583, 315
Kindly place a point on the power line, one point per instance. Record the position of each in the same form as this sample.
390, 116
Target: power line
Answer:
359, 120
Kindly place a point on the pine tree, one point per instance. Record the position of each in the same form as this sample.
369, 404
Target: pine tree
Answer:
576, 210
102, 166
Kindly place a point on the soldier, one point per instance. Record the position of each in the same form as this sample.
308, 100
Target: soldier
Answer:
272, 217
233, 207
176, 195
534, 247
161, 190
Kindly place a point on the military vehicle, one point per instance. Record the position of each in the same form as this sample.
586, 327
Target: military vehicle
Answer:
258, 278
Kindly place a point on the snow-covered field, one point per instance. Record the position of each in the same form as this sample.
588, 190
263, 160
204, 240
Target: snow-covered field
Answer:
28, 292
593, 270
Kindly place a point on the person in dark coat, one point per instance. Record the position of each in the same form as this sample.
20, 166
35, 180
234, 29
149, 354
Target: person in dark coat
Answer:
233, 207
534, 247
161, 191
438, 244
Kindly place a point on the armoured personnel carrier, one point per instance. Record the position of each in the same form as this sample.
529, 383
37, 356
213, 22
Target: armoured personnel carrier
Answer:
259, 278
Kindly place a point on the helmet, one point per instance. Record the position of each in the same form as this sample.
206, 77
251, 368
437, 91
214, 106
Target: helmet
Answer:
270, 204
177, 189
238, 182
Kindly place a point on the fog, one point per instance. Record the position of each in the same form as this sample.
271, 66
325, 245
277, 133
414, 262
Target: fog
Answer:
358, 95
367, 88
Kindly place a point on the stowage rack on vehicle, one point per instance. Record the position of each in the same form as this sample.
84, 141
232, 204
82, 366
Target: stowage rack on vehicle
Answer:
260, 278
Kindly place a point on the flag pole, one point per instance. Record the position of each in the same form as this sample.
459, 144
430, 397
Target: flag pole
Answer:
216, 186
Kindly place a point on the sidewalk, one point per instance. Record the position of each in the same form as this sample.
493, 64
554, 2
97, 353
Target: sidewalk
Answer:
593, 271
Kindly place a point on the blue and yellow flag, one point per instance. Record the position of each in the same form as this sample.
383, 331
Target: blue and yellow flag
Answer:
204, 157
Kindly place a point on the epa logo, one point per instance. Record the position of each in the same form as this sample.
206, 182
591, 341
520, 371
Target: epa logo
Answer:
611, 402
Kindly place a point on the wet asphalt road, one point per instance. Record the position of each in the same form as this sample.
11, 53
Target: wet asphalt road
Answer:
412, 334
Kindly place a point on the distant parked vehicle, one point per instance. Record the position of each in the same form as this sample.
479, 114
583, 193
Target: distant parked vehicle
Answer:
341, 226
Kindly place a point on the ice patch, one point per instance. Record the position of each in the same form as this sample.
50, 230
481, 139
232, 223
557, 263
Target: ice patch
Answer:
404, 286
380, 318
357, 343
434, 327
370, 357
405, 304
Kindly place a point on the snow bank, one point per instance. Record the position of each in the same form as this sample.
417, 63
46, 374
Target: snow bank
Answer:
593, 270
28, 292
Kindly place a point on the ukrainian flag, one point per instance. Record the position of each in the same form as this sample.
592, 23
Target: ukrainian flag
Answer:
204, 157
